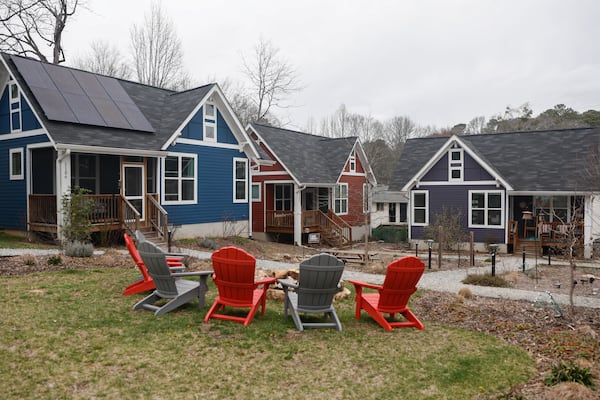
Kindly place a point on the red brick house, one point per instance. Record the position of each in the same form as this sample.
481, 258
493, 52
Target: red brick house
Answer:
309, 187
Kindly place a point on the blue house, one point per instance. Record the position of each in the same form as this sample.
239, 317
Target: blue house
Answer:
513, 189
150, 157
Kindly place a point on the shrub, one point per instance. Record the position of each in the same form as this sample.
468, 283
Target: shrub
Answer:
208, 244
54, 260
78, 249
486, 280
29, 260
569, 372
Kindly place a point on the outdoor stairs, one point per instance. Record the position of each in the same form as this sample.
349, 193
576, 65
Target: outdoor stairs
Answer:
332, 238
530, 247
153, 237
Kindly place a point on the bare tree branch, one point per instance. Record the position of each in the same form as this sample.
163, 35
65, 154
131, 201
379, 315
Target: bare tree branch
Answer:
104, 59
28, 26
157, 52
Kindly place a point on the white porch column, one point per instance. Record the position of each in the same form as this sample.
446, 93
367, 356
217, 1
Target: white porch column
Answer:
63, 183
297, 215
591, 227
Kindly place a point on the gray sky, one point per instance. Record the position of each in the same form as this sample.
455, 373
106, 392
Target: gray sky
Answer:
438, 62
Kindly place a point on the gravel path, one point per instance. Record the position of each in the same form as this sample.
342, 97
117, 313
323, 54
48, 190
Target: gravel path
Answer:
441, 281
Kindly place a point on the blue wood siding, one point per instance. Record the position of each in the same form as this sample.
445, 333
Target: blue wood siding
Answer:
194, 129
29, 121
456, 197
4, 112
215, 188
13, 201
474, 171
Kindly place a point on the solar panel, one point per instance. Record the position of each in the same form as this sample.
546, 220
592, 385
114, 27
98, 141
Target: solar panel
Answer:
84, 109
71, 95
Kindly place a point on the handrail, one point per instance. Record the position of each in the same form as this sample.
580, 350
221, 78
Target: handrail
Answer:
344, 225
159, 217
131, 216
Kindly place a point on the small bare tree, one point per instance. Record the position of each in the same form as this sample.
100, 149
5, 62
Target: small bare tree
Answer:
105, 59
272, 79
29, 27
157, 52
447, 230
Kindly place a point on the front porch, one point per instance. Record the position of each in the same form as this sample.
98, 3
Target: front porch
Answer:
332, 229
110, 212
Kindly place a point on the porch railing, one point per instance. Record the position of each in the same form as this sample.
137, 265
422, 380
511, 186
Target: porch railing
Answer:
280, 220
158, 216
131, 216
346, 228
42, 209
106, 208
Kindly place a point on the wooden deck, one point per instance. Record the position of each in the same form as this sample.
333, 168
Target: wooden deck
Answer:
333, 229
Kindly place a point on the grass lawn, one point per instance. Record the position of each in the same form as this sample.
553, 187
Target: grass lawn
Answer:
8, 240
71, 334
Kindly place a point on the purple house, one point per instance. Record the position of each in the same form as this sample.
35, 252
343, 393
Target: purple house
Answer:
512, 189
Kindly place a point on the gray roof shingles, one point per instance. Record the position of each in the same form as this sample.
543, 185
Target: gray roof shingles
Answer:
166, 110
310, 158
551, 161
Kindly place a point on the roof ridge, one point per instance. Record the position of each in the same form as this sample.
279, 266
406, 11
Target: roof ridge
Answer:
303, 133
192, 89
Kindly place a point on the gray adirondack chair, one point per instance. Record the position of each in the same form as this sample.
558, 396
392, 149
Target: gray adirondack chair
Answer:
318, 282
169, 285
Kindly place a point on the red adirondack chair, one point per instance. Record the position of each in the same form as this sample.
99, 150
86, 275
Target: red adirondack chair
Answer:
234, 278
392, 297
146, 283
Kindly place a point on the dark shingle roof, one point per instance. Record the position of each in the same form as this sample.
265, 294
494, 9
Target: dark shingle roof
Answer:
310, 158
527, 161
164, 109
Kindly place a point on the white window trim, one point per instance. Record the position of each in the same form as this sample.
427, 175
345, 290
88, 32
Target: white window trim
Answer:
13, 176
12, 101
341, 198
366, 202
259, 186
179, 179
456, 165
209, 120
352, 162
245, 161
486, 209
412, 207
283, 199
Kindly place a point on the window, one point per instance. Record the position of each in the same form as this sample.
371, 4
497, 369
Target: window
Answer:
16, 164
84, 172
15, 107
366, 207
256, 193
420, 207
486, 209
552, 208
379, 206
403, 213
353, 162
455, 165
179, 179
341, 199
210, 122
240, 180
283, 197
392, 212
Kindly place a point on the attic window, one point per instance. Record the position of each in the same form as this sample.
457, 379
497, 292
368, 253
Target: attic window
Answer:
353, 162
15, 107
455, 165
210, 122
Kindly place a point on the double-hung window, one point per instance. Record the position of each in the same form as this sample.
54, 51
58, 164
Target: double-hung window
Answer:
210, 122
179, 179
486, 209
16, 164
15, 107
352, 166
366, 204
420, 207
341, 199
240, 180
283, 197
256, 192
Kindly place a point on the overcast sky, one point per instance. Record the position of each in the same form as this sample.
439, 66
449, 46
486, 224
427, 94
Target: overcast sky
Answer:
438, 62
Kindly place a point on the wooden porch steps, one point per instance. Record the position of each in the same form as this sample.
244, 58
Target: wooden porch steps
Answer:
530, 246
152, 236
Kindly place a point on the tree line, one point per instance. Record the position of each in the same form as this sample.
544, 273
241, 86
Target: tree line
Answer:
34, 28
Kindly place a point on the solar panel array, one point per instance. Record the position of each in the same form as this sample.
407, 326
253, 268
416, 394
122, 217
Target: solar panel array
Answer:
70, 95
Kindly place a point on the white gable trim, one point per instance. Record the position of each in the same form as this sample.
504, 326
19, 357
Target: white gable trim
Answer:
263, 141
358, 150
218, 98
22, 93
415, 180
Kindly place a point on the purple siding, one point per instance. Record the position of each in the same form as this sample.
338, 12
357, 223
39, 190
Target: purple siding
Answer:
474, 171
439, 172
456, 197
